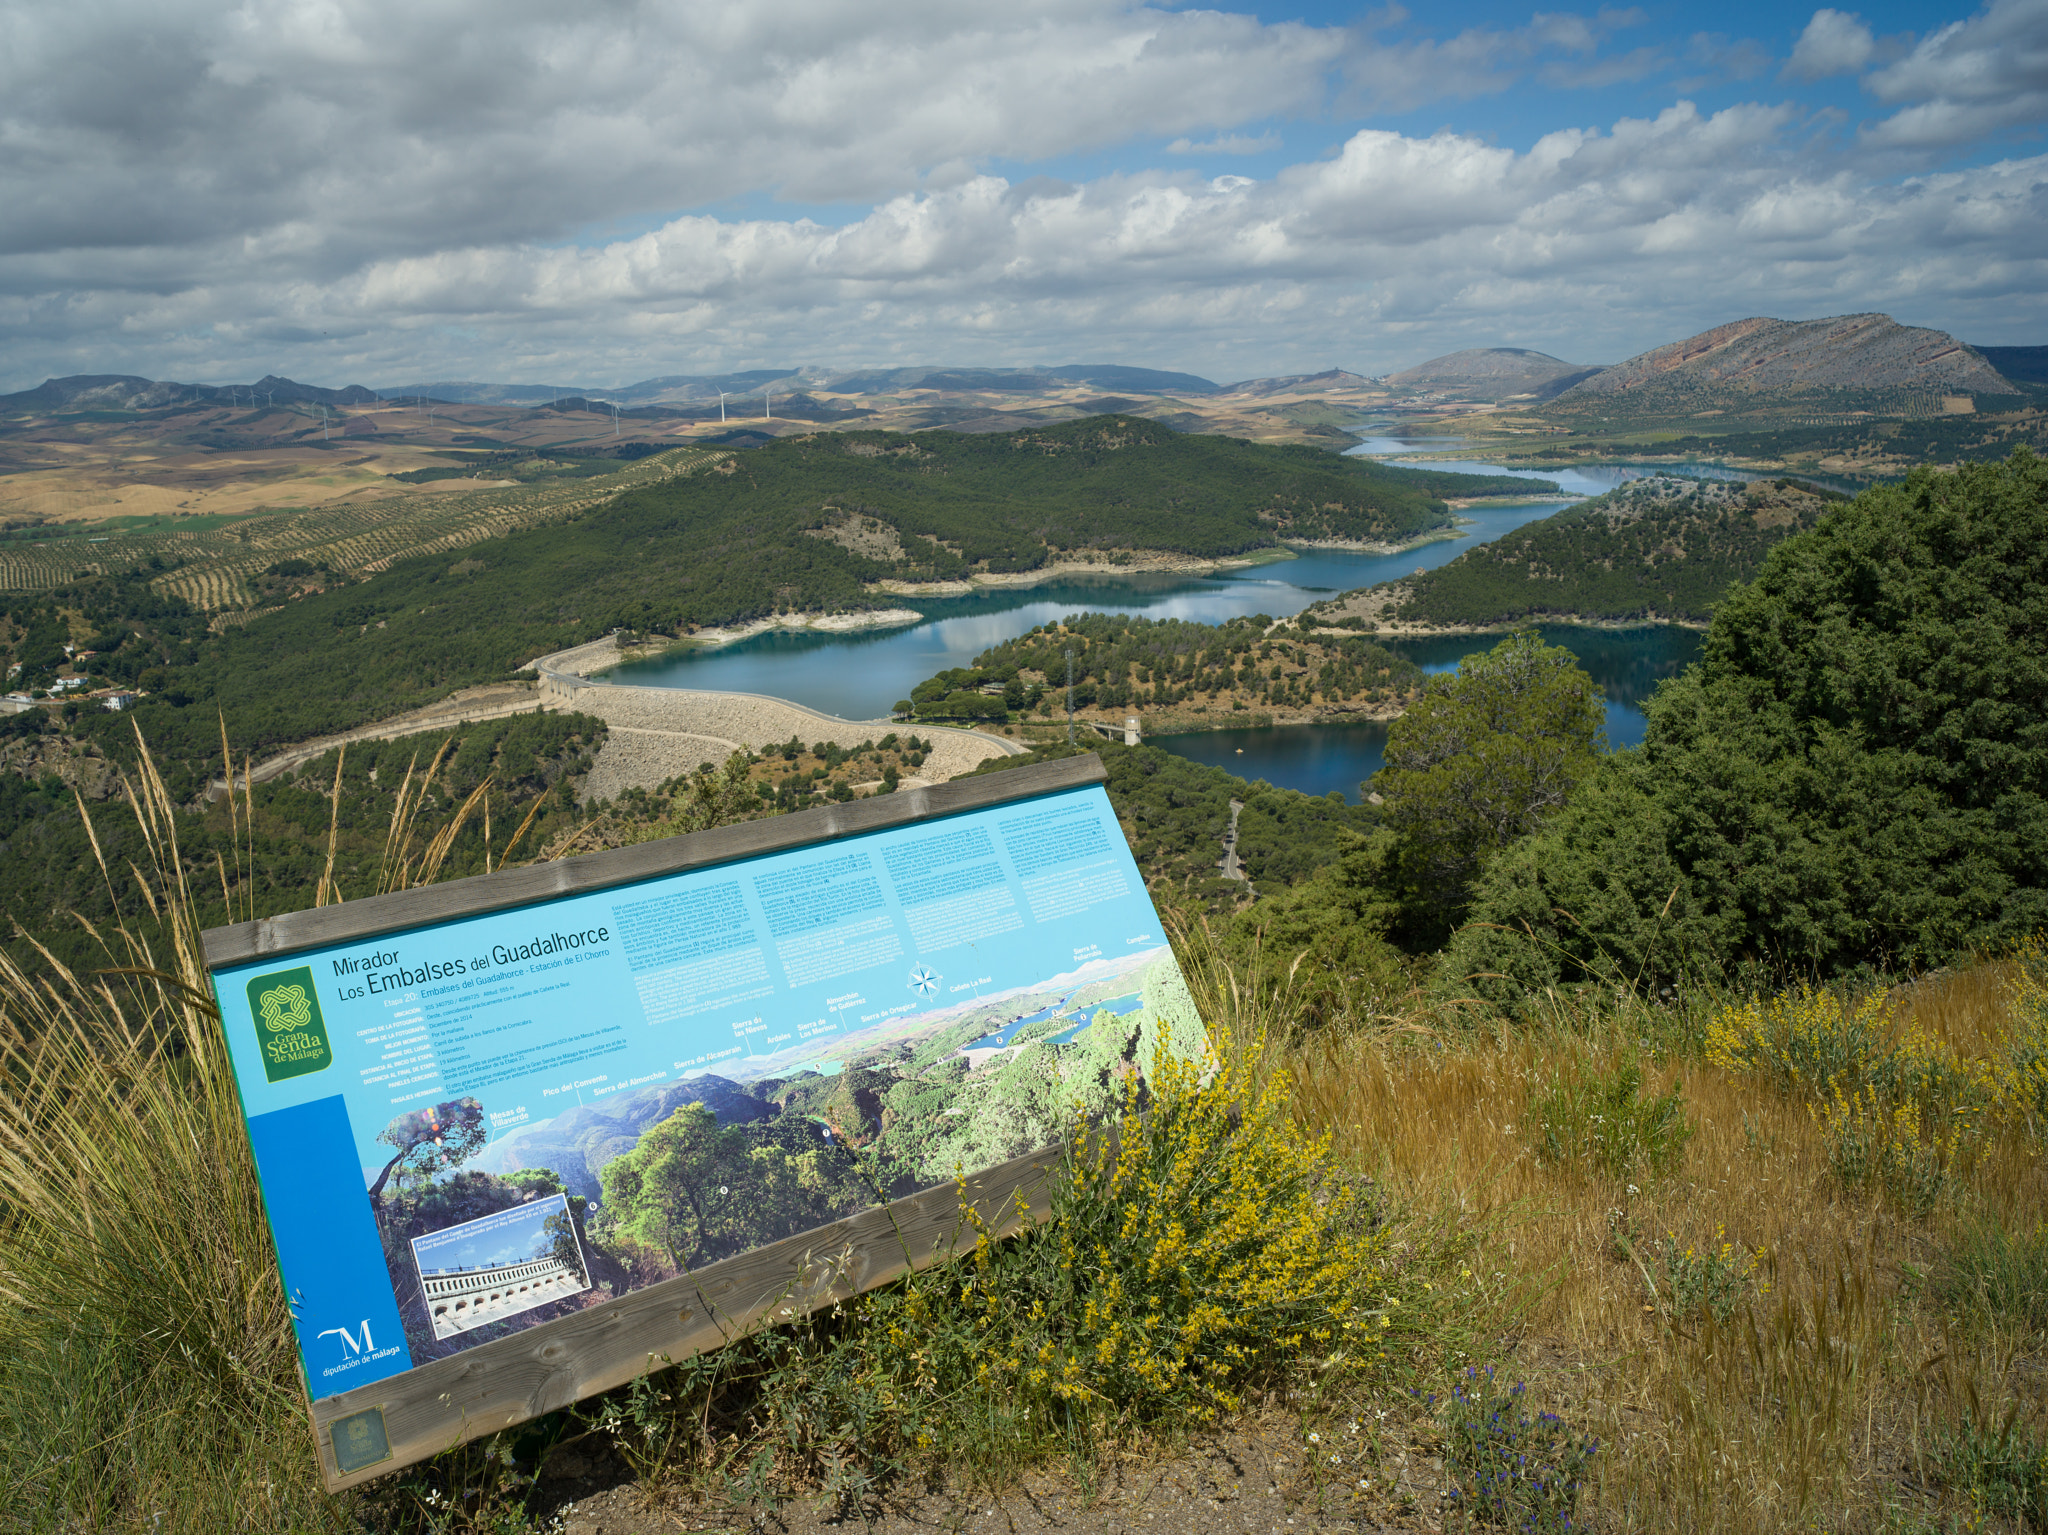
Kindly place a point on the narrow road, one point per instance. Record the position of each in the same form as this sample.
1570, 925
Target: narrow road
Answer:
1232, 869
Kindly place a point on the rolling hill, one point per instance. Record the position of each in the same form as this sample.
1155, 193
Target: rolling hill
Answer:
1663, 549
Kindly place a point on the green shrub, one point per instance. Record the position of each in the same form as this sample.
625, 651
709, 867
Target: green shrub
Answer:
1602, 1126
1997, 1273
1853, 775
2000, 1462
1703, 1279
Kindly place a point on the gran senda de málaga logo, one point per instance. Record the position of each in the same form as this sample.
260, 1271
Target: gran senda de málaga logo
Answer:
290, 1031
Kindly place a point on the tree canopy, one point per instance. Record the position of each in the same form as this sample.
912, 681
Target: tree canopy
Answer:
1855, 774
1487, 754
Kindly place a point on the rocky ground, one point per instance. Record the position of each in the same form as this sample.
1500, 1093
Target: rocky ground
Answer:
1256, 1477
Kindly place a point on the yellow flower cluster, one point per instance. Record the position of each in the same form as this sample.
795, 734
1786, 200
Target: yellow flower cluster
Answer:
1911, 1149
1800, 1039
1196, 1246
1901, 1109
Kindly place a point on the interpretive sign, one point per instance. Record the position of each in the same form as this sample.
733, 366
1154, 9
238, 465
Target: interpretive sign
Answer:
521, 1135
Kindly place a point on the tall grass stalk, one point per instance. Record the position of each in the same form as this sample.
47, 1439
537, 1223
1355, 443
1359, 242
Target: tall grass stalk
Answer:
148, 1373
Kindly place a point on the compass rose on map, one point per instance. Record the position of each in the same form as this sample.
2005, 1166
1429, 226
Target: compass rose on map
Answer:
924, 980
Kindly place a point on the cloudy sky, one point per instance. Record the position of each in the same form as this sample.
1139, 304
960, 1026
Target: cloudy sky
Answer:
383, 191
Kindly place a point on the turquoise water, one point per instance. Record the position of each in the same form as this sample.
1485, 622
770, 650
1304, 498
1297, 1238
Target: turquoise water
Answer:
862, 675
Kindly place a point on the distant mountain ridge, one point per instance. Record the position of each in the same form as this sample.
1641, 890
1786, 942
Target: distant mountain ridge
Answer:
1761, 356
1494, 373
708, 386
1751, 359
125, 391
1299, 383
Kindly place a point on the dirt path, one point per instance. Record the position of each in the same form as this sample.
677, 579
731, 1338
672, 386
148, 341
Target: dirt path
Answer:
658, 733
495, 701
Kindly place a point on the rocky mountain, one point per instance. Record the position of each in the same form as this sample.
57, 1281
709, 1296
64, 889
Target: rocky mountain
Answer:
1761, 357
1494, 373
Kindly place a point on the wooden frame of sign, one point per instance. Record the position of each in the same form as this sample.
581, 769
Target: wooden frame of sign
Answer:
377, 1428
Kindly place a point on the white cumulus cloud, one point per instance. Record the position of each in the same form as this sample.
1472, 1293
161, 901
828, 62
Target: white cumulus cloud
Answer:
1834, 43
1969, 80
389, 189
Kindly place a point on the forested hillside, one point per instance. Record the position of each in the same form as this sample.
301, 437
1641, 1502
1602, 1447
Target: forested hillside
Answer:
805, 525
1173, 674
1667, 548
1175, 814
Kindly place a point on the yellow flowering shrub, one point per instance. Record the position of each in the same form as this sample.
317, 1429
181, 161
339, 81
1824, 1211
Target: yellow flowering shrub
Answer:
1901, 1109
1195, 1249
1200, 1248
1800, 1040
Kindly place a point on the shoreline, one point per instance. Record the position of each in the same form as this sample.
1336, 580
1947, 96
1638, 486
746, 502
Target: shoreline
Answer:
1388, 629
818, 623
1369, 546
1324, 618
1063, 570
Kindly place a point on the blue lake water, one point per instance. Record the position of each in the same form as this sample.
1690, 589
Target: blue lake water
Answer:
1317, 759
1087, 1012
862, 675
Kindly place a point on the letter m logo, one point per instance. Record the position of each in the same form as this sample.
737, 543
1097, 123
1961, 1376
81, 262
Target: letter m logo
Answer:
351, 1348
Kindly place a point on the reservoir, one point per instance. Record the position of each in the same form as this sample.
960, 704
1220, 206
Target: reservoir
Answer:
862, 675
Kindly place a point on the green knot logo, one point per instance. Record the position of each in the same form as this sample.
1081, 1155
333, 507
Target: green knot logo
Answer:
290, 1032
286, 1007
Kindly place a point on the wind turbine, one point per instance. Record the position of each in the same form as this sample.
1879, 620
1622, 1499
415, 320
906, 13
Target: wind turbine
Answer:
615, 418
768, 400
721, 407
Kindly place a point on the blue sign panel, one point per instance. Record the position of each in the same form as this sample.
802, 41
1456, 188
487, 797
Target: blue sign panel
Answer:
469, 1128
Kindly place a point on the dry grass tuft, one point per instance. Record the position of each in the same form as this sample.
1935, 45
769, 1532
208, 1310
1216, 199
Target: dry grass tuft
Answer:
1762, 1344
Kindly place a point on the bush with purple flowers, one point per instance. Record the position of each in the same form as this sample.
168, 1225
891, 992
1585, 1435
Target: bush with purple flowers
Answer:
1509, 1467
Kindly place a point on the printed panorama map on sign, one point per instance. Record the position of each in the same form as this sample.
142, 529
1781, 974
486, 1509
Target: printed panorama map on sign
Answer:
467, 1129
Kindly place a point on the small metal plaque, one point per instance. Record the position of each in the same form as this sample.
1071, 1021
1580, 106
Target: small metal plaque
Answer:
360, 1440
